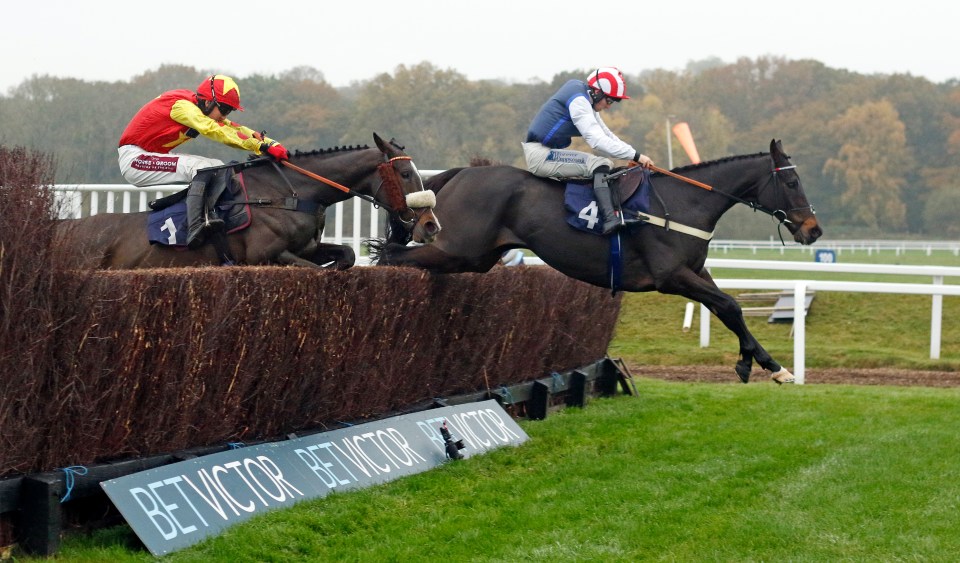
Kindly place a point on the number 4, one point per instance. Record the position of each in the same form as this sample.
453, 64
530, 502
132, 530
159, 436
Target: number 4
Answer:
590, 214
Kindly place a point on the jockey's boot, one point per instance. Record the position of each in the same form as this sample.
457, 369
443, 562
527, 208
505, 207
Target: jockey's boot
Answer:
201, 219
612, 221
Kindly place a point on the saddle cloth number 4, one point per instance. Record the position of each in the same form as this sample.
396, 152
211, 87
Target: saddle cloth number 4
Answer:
590, 214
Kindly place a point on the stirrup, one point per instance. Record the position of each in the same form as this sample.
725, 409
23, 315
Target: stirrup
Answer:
214, 224
630, 219
612, 226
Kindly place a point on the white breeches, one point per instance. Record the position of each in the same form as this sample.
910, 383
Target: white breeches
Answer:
142, 168
561, 163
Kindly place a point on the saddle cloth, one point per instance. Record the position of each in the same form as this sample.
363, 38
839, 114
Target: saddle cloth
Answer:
633, 192
167, 224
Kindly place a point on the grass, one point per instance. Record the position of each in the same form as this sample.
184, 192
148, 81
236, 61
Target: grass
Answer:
686, 472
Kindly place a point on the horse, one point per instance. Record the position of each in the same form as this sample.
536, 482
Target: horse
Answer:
490, 210
287, 213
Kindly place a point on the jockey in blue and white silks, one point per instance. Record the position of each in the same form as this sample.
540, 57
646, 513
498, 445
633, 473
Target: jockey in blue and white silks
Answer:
574, 111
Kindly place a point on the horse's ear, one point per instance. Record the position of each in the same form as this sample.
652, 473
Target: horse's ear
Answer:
776, 147
381, 144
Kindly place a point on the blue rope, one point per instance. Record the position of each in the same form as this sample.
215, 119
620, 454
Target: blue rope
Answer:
508, 397
345, 423
69, 472
236, 445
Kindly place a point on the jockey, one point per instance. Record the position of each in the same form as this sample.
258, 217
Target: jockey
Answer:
574, 111
174, 118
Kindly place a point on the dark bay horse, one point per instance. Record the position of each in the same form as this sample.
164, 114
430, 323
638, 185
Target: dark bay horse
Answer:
489, 210
277, 234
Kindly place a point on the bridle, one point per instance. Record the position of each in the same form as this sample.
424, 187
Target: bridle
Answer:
779, 214
388, 176
778, 184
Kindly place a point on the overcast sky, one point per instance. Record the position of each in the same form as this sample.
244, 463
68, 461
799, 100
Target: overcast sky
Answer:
517, 40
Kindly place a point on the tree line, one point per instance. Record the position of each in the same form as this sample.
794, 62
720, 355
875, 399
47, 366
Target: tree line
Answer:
878, 154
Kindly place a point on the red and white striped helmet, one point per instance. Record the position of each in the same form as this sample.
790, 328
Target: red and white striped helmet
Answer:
609, 80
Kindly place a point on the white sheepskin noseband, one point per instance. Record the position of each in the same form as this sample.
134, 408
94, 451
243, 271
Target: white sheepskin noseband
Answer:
419, 200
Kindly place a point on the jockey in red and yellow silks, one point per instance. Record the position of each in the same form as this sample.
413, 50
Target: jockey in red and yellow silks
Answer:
174, 118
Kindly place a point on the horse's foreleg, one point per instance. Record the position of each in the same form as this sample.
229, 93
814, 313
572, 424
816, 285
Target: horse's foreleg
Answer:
288, 258
732, 318
327, 255
701, 287
429, 257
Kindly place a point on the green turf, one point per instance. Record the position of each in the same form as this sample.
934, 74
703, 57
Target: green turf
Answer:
686, 472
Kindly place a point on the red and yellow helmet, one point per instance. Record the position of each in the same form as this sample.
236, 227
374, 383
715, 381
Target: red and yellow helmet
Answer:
609, 80
220, 89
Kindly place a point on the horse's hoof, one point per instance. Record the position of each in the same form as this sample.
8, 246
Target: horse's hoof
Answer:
782, 376
743, 374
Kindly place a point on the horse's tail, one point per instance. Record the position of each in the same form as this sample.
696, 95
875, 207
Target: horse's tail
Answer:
375, 247
397, 231
380, 250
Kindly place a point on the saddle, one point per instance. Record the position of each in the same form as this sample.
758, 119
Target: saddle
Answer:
167, 223
625, 186
630, 190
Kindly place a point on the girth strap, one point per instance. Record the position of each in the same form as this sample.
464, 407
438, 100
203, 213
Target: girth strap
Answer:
288, 204
674, 226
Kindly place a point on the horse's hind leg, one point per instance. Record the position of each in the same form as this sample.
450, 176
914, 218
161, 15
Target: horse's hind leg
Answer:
702, 288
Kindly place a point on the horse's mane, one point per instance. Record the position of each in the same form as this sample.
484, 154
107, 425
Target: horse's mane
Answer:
720, 161
256, 161
345, 148
329, 151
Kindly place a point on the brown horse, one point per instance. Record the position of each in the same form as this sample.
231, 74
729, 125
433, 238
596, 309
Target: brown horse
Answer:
489, 210
287, 214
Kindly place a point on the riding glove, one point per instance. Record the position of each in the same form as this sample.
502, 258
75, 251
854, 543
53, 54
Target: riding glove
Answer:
277, 151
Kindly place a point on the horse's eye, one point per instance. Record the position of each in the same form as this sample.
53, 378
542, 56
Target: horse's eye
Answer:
793, 184
405, 175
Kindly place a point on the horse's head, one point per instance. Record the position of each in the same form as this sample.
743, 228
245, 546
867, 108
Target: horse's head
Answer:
412, 205
783, 195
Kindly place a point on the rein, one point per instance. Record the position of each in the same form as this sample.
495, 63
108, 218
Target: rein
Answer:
317, 177
293, 204
778, 214
690, 181
330, 183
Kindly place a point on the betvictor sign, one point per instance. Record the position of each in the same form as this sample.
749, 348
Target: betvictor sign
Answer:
177, 505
